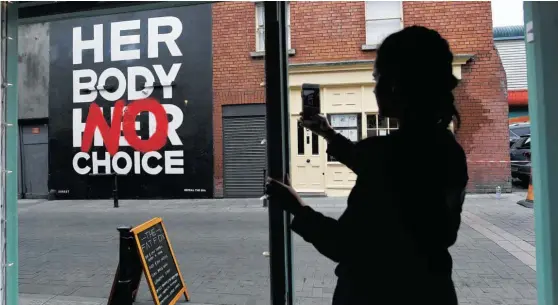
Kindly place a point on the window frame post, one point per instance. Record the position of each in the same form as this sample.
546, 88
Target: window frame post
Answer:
277, 116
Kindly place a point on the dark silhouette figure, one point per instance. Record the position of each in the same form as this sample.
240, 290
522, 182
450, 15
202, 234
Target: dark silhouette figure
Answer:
391, 243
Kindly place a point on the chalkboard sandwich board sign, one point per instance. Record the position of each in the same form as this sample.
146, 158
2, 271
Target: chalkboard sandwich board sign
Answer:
159, 262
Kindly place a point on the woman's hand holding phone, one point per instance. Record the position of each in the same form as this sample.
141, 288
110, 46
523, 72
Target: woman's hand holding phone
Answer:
318, 124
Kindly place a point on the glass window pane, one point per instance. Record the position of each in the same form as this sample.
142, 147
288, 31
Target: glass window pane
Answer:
371, 132
393, 123
315, 144
378, 30
344, 120
382, 122
217, 151
349, 133
260, 16
383, 9
288, 37
300, 138
288, 13
371, 121
261, 40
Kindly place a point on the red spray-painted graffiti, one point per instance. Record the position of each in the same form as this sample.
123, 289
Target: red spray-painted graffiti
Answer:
111, 135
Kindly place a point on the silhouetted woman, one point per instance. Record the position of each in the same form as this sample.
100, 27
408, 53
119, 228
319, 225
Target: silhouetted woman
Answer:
403, 213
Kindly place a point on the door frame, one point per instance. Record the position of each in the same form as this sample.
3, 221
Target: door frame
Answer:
23, 124
277, 122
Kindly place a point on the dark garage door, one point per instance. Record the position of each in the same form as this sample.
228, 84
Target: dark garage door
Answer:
244, 150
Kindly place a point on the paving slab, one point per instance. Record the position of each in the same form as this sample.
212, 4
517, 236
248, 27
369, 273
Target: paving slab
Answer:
69, 251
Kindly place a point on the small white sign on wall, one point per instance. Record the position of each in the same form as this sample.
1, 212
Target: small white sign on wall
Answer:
529, 36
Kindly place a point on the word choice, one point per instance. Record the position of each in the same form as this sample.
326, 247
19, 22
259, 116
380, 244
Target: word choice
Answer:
94, 162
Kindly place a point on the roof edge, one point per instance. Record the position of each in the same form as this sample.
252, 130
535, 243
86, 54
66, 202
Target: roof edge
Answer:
508, 32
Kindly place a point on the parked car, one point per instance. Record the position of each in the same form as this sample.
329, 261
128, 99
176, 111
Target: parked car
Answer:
518, 130
520, 155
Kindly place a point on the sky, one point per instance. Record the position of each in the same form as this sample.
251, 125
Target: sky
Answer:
507, 12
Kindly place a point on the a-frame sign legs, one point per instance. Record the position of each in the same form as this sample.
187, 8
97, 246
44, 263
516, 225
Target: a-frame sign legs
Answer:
127, 279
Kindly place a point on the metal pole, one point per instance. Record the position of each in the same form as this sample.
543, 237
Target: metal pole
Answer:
541, 25
277, 116
11, 143
123, 289
285, 136
3, 159
115, 190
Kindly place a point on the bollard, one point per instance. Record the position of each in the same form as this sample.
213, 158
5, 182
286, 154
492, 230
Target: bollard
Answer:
115, 190
123, 295
529, 201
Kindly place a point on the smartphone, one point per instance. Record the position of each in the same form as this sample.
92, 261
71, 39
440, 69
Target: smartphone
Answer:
310, 100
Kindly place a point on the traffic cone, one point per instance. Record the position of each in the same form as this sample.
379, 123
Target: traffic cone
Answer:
530, 199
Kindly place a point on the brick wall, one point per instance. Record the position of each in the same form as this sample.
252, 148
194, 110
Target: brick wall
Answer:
481, 96
237, 77
336, 32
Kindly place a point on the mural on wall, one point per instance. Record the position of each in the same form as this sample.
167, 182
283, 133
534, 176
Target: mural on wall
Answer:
131, 95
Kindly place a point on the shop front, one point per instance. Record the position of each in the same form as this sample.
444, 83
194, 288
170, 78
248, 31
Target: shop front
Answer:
348, 101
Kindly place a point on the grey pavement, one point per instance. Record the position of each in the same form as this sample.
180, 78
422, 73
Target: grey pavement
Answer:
69, 249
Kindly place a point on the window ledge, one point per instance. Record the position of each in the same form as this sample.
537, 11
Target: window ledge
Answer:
370, 47
261, 54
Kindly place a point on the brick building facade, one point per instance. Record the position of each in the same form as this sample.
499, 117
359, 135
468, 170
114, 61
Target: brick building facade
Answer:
222, 134
336, 32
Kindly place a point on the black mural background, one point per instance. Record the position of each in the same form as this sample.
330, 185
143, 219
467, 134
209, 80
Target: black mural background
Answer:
193, 83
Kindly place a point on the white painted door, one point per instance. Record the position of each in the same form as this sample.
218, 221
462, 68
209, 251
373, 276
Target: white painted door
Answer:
307, 172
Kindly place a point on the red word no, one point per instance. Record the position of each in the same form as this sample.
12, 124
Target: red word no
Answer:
111, 135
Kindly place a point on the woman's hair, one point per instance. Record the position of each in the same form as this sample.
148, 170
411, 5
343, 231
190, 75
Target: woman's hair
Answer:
417, 63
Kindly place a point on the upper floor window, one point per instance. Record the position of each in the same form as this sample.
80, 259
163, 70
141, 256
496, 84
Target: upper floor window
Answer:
382, 19
260, 27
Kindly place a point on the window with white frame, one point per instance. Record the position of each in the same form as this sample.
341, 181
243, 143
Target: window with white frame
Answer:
347, 124
382, 19
260, 27
377, 125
